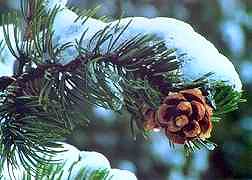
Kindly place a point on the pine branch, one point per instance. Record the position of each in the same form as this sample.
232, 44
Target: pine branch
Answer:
226, 99
38, 103
25, 99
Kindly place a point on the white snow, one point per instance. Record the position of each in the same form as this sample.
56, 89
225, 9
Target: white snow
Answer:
201, 56
89, 162
74, 162
198, 54
68, 156
67, 151
117, 174
94, 159
6, 68
66, 30
12, 173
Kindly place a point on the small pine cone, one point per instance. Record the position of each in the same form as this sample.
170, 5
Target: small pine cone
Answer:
185, 115
150, 119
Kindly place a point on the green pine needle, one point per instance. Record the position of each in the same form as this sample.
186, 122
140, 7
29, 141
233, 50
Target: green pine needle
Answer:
40, 105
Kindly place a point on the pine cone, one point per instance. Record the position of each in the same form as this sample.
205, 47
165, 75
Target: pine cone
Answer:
150, 119
185, 115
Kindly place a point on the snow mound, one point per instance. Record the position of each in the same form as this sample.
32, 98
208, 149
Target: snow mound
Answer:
199, 56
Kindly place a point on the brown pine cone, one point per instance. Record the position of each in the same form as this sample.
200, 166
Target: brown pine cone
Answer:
150, 119
185, 115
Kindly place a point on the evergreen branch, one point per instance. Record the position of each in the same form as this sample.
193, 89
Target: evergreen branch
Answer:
19, 127
20, 47
226, 99
85, 78
38, 104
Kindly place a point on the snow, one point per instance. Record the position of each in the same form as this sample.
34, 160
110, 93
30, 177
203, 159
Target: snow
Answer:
6, 68
94, 160
12, 173
67, 151
199, 56
68, 155
66, 30
89, 162
117, 174
74, 162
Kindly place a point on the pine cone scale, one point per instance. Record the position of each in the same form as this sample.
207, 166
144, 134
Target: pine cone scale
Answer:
181, 121
174, 98
193, 94
172, 127
199, 110
165, 114
185, 107
192, 130
206, 124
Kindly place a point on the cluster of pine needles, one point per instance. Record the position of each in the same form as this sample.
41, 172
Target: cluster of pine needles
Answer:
38, 104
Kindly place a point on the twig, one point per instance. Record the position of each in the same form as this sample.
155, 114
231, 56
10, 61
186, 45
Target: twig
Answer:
39, 72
